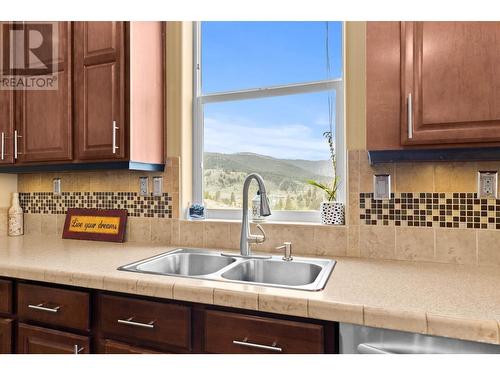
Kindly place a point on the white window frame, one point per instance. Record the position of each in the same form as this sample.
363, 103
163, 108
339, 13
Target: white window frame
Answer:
270, 91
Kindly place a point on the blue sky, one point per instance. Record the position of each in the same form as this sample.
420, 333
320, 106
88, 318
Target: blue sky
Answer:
242, 55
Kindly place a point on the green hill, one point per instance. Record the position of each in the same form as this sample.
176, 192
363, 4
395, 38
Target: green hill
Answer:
269, 168
285, 179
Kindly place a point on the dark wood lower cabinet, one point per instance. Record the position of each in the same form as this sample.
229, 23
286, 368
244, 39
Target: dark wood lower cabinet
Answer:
227, 332
116, 347
5, 336
146, 321
57, 319
5, 296
37, 340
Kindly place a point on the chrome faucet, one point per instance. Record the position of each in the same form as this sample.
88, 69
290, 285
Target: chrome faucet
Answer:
247, 238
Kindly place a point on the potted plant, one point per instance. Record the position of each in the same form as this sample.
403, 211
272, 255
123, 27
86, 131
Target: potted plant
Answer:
332, 212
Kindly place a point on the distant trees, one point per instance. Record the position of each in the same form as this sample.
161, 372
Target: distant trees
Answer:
222, 189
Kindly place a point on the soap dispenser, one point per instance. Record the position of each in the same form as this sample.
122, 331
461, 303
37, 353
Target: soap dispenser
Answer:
15, 215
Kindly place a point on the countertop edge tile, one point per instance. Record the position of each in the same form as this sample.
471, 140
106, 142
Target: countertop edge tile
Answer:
280, 304
465, 329
237, 299
335, 311
193, 293
122, 285
409, 321
155, 289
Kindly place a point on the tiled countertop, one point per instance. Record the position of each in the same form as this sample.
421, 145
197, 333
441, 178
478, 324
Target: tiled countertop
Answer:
444, 300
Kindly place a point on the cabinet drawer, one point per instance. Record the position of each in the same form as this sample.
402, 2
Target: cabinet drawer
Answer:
237, 333
144, 320
36, 340
61, 307
116, 347
5, 336
5, 296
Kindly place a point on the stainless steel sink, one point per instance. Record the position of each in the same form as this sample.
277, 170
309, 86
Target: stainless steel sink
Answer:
184, 262
300, 273
274, 272
187, 264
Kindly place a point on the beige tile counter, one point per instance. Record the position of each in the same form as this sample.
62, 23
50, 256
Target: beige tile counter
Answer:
447, 300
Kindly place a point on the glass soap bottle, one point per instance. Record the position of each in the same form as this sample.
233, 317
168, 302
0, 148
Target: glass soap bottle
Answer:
15, 215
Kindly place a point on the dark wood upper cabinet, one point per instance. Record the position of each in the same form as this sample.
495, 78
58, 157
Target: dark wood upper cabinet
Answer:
6, 126
44, 117
432, 84
100, 90
119, 91
108, 106
7, 115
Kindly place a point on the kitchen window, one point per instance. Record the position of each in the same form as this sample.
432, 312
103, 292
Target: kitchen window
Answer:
265, 93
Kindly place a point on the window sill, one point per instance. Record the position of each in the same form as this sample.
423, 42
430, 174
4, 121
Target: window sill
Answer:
297, 218
271, 222
277, 216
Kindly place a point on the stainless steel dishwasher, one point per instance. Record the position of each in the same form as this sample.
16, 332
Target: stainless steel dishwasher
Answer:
355, 339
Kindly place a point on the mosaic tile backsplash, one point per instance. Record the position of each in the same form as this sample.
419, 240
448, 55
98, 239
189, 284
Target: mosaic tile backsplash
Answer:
434, 210
137, 206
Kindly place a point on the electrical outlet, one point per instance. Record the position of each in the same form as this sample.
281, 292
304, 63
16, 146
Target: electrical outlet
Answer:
157, 186
381, 186
487, 184
56, 186
143, 186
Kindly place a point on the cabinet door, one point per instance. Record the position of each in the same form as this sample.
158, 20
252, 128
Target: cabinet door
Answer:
6, 112
451, 71
116, 347
36, 340
6, 126
5, 336
99, 90
44, 118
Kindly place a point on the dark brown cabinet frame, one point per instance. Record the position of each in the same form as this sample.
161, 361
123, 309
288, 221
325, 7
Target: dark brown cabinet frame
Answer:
103, 343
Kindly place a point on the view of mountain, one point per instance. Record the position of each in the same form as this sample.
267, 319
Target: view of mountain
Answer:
285, 179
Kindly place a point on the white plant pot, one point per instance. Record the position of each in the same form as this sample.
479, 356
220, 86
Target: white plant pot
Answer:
332, 213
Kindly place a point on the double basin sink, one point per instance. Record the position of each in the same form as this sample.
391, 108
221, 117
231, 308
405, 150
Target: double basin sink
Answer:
299, 273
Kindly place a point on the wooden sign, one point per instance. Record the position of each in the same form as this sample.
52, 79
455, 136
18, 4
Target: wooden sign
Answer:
97, 225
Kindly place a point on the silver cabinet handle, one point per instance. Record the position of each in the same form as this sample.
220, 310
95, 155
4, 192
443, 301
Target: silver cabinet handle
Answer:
115, 128
41, 307
410, 116
77, 349
3, 145
369, 349
248, 344
16, 151
130, 322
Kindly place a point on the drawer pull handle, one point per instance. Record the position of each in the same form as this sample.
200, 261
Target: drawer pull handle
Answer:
130, 322
41, 307
77, 349
246, 343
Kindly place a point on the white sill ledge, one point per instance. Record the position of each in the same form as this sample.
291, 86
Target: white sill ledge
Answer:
279, 216
273, 222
